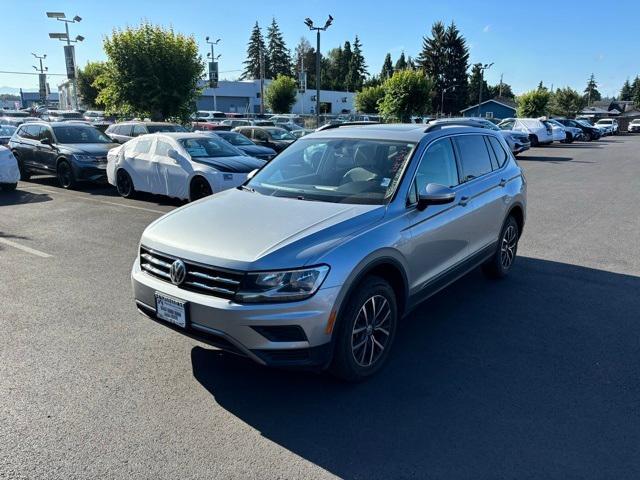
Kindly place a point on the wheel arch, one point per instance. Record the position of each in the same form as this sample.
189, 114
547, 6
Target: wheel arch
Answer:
197, 176
517, 212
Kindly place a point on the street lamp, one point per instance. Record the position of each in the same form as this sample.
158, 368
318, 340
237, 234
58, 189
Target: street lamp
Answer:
213, 83
69, 51
42, 77
446, 89
484, 67
309, 23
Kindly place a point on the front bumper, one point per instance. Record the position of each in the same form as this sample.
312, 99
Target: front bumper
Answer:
239, 328
519, 147
90, 171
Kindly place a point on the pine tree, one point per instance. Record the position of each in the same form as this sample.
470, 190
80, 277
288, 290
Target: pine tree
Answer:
455, 71
304, 56
474, 85
255, 47
626, 92
432, 59
411, 65
347, 55
334, 78
591, 93
635, 92
387, 67
401, 64
278, 58
358, 67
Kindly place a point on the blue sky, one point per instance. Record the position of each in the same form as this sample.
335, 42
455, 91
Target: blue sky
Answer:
560, 43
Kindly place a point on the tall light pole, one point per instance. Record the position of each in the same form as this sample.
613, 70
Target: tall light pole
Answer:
309, 23
69, 52
451, 87
42, 78
484, 67
213, 81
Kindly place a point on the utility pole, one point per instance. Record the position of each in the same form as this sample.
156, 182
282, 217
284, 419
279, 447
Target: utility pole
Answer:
69, 50
213, 71
42, 78
309, 23
484, 67
262, 72
451, 87
500, 89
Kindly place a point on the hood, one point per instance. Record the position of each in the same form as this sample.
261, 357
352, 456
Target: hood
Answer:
256, 149
97, 149
239, 164
242, 230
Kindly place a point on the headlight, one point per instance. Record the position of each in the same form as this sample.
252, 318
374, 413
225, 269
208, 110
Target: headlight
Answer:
85, 158
281, 286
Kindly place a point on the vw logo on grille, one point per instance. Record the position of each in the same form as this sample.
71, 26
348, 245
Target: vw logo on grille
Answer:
178, 272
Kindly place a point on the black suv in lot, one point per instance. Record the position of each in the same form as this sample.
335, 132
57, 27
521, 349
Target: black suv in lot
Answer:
70, 151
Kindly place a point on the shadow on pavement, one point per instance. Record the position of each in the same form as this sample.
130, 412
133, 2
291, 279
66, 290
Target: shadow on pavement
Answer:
550, 159
18, 197
535, 376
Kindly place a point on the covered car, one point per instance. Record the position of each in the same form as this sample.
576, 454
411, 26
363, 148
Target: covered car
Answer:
188, 166
9, 172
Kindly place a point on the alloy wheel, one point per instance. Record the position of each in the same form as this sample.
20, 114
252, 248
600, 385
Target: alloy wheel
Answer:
64, 175
508, 247
371, 331
124, 183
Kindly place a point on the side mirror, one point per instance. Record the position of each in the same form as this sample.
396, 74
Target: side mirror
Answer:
173, 154
435, 194
46, 141
251, 174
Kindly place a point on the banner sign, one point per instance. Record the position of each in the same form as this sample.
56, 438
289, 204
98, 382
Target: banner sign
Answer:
70, 61
213, 74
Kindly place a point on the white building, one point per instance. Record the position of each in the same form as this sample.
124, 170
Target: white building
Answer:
244, 97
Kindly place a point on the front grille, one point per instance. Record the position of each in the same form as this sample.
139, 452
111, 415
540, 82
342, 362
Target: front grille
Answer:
199, 278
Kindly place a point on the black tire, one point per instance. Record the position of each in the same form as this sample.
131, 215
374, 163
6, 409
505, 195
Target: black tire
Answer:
24, 172
64, 173
8, 187
534, 140
200, 188
346, 363
588, 136
569, 138
124, 184
499, 265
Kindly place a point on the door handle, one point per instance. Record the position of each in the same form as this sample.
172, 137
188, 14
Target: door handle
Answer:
503, 182
463, 201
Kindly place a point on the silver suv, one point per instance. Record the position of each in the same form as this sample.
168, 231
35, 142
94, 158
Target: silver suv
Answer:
313, 262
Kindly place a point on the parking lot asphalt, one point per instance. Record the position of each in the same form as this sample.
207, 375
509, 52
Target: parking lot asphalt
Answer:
535, 376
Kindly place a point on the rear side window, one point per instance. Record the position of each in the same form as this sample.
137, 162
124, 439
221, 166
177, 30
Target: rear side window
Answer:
498, 149
143, 145
139, 130
474, 156
31, 132
162, 148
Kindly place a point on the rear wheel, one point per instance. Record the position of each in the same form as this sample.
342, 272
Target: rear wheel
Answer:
124, 184
200, 188
65, 175
500, 263
365, 331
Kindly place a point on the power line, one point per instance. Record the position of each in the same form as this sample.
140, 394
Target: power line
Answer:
31, 73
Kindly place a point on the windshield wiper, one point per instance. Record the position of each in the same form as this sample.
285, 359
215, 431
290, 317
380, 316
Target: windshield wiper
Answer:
246, 189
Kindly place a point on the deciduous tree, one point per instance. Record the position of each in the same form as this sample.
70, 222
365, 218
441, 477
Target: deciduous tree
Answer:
368, 99
406, 93
566, 102
534, 104
88, 88
281, 94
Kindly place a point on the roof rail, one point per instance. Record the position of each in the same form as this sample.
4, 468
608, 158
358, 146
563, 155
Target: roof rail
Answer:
330, 126
453, 123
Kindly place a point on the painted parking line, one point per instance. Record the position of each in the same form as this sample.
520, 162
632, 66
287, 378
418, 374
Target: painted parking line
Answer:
24, 248
83, 197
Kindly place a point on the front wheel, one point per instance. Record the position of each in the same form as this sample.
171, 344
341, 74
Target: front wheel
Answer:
366, 331
534, 140
24, 172
500, 263
200, 188
65, 175
124, 184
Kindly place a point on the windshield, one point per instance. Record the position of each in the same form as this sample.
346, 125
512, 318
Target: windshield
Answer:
165, 128
280, 134
80, 134
6, 130
70, 115
204, 147
336, 170
584, 123
235, 138
605, 122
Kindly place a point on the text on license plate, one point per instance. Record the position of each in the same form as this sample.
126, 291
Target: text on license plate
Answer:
171, 310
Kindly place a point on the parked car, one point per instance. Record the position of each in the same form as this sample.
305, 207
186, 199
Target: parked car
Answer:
62, 115
589, 132
13, 117
571, 133
236, 122
634, 126
72, 151
301, 132
188, 166
558, 132
208, 126
316, 258
6, 131
247, 146
518, 142
611, 124
125, 131
208, 116
9, 172
538, 132
292, 120
271, 137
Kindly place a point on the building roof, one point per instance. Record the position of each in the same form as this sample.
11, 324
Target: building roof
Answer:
506, 102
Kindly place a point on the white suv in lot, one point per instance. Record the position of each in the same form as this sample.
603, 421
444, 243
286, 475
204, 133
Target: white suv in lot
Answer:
539, 133
610, 125
313, 262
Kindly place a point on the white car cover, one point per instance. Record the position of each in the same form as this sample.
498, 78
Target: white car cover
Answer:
9, 172
146, 159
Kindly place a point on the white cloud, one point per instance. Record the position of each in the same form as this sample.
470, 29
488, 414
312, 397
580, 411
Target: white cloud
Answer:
486, 29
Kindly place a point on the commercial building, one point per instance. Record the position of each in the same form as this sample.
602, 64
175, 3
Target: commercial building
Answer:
243, 96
